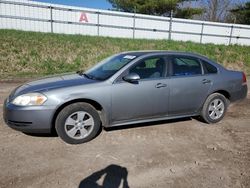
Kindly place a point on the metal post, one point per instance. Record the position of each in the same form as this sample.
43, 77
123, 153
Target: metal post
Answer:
231, 33
134, 22
202, 28
170, 25
51, 19
1, 26
134, 27
98, 23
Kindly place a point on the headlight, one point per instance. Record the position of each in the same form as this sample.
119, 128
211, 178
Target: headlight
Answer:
29, 99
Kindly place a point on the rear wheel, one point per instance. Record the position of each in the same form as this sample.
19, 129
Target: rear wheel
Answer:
214, 108
78, 123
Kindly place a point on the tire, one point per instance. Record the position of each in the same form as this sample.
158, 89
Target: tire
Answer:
214, 108
78, 123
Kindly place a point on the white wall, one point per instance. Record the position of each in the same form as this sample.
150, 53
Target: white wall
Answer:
15, 14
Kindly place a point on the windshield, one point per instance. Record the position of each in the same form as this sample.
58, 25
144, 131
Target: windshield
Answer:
109, 67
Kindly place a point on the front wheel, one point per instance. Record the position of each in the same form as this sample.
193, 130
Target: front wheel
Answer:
78, 123
214, 108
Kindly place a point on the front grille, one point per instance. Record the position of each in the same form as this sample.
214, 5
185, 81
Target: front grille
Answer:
19, 123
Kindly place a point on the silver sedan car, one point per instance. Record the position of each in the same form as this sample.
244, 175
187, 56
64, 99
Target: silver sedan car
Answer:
127, 88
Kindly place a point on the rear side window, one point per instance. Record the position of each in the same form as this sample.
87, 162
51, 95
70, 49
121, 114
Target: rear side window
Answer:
185, 66
208, 68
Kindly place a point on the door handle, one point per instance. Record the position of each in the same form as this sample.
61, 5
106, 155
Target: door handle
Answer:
205, 81
160, 85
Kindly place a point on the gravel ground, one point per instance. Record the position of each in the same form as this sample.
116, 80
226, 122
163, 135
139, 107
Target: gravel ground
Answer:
180, 153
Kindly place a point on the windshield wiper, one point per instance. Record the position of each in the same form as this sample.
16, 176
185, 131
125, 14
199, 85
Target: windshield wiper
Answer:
91, 77
87, 76
80, 72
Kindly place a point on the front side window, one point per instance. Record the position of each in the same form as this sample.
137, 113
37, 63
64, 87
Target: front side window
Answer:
109, 67
153, 67
185, 66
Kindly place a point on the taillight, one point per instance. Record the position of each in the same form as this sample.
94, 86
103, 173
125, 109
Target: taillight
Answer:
244, 78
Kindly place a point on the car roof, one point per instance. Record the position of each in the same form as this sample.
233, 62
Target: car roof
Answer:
168, 52
158, 52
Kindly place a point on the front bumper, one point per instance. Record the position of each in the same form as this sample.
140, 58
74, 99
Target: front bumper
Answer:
30, 119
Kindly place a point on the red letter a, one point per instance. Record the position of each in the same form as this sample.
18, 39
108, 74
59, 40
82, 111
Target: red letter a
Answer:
83, 17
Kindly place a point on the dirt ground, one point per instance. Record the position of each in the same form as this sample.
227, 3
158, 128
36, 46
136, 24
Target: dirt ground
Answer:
181, 153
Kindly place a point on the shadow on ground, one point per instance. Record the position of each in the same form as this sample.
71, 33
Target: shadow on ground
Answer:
53, 134
113, 176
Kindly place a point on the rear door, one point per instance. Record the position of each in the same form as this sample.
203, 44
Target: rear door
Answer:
188, 86
145, 99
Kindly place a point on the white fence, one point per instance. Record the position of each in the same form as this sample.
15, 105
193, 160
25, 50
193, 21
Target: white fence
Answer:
44, 17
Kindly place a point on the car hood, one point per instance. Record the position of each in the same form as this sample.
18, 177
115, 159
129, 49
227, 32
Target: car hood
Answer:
49, 83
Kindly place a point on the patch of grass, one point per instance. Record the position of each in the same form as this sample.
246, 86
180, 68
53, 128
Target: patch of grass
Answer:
31, 54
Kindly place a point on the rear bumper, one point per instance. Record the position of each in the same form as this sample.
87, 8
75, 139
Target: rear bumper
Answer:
31, 119
240, 94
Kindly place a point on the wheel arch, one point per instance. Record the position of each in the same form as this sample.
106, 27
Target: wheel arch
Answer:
209, 99
94, 103
224, 93
221, 91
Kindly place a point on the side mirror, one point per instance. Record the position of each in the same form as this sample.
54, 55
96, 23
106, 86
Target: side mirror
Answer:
132, 78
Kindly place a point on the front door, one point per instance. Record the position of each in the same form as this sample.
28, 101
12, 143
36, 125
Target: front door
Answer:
145, 99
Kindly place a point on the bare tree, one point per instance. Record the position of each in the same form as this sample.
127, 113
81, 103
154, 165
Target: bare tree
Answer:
216, 10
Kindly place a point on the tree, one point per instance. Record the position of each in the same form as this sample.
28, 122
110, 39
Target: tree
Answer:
242, 13
159, 7
216, 10
188, 12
